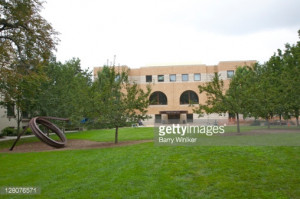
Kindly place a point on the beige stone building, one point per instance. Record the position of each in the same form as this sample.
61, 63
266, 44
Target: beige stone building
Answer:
175, 87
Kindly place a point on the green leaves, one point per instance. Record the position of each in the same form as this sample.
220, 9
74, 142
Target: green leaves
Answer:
25, 36
260, 91
116, 100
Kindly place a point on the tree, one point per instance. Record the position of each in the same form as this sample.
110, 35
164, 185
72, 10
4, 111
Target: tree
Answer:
238, 97
264, 93
261, 91
66, 91
115, 100
19, 88
26, 38
232, 100
291, 80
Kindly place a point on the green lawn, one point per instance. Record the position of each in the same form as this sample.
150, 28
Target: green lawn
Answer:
148, 171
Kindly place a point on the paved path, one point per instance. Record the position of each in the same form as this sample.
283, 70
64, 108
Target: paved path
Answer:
14, 137
5, 138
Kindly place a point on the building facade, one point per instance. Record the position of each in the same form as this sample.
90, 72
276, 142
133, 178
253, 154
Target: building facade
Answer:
8, 117
174, 88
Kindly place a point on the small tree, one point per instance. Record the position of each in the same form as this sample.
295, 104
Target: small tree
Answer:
232, 100
20, 87
116, 100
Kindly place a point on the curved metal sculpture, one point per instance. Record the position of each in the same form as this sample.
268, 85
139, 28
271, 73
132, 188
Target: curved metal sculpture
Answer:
33, 124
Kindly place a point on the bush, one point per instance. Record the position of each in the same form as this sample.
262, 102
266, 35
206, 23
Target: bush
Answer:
8, 131
28, 131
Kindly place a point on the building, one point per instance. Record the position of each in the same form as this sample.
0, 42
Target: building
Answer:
8, 117
174, 88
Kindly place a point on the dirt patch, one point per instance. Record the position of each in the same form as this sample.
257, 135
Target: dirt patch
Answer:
263, 131
71, 145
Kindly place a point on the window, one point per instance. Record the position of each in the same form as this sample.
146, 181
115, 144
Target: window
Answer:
160, 78
230, 73
185, 77
117, 78
10, 110
190, 118
158, 98
173, 78
189, 97
197, 77
24, 114
157, 118
148, 78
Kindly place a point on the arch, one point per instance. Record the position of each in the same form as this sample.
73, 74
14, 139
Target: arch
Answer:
189, 97
158, 98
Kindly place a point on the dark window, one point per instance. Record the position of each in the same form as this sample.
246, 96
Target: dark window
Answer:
157, 118
190, 118
230, 73
24, 114
189, 97
173, 78
10, 110
148, 78
231, 115
197, 77
158, 98
160, 78
185, 77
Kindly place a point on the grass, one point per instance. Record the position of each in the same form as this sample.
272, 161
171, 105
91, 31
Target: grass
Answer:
148, 171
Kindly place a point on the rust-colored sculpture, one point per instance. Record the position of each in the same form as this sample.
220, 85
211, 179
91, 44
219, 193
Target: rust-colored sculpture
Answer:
33, 124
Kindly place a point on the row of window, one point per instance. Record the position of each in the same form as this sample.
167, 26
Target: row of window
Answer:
184, 77
172, 77
10, 111
187, 97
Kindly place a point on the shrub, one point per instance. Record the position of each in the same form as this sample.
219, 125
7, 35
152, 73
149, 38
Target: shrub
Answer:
28, 131
8, 131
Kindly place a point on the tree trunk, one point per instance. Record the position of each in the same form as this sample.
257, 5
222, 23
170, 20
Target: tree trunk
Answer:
280, 119
18, 121
297, 117
116, 135
268, 123
238, 122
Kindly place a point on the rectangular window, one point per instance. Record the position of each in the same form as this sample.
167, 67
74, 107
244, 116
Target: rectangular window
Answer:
157, 118
24, 115
10, 110
148, 78
185, 77
160, 78
173, 78
230, 73
197, 77
190, 118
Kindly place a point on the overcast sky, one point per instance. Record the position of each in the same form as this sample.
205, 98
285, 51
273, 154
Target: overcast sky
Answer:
163, 32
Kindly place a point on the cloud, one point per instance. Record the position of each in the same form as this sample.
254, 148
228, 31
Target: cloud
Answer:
172, 31
238, 16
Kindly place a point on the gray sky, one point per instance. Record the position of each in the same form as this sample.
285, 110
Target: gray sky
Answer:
161, 32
